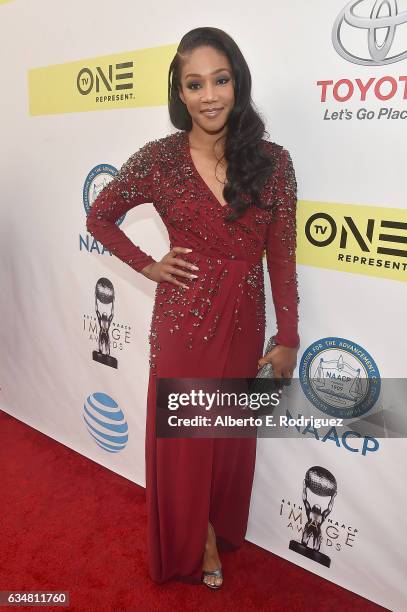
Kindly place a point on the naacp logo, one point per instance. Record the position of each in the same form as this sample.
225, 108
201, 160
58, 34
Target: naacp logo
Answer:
98, 178
339, 377
381, 28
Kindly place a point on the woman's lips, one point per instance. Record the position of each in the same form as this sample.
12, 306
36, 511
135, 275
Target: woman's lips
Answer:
213, 113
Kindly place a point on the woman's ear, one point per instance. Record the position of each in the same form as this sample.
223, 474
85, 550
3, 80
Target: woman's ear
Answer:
181, 95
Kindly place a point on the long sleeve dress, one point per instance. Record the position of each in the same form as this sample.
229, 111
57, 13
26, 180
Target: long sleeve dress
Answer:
213, 329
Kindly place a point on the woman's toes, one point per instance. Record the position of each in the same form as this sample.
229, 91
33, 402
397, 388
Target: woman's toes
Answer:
213, 580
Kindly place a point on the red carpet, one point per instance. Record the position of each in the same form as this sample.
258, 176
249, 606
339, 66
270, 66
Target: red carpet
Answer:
69, 524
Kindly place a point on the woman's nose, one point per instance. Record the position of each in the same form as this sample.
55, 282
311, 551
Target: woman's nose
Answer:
208, 92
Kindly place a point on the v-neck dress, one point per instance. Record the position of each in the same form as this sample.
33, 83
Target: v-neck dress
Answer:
213, 329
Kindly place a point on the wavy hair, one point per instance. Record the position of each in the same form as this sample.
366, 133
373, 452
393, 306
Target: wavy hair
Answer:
249, 166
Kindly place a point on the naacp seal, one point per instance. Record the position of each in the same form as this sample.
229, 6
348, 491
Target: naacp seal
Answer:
98, 178
339, 377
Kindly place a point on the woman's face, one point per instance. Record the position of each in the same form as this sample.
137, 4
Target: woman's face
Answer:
207, 83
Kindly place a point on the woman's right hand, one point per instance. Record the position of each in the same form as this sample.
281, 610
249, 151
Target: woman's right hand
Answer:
168, 268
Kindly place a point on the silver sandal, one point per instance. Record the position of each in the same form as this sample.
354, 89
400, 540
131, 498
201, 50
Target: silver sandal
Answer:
217, 572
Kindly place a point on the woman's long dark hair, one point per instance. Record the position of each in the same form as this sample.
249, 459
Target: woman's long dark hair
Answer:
249, 165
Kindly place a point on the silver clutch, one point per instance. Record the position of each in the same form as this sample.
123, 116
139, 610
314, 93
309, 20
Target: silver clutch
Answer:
264, 381
266, 371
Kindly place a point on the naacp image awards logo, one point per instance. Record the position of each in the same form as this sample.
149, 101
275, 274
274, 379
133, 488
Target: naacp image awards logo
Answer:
322, 484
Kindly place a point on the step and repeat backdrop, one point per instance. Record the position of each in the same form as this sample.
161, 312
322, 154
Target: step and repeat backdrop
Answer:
84, 87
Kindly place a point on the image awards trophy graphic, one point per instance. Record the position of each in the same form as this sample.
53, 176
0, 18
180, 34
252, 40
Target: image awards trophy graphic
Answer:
322, 483
104, 306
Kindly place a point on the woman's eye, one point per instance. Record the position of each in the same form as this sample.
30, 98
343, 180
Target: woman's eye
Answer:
195, 85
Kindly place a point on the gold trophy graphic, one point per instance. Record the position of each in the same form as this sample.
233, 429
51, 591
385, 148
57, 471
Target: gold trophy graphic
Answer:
320, 482
104, 306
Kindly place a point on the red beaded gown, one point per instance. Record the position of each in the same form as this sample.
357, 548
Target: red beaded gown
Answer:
215, 328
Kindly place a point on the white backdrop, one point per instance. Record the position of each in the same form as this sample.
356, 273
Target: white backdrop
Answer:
53, 138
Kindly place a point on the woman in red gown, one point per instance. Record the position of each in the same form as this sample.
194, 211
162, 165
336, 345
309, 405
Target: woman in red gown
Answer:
226, 195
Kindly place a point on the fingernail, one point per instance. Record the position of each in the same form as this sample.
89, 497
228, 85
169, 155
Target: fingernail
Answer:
194, 276
189, 250
194, 268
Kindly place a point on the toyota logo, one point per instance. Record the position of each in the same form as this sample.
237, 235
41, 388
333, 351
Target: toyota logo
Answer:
388, 19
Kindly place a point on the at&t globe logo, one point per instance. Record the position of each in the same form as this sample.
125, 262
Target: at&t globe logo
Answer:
106, 422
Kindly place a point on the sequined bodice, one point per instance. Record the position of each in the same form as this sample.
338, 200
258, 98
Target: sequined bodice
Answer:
194, 216
163, 172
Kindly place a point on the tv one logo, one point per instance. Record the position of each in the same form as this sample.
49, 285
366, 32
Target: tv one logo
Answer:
113, 77
379, 23
321, 230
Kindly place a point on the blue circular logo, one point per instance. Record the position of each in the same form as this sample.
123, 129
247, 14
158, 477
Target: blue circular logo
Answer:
339, 377
105, 422
95, 182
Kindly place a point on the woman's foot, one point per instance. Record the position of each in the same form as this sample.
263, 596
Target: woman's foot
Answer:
211, 560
